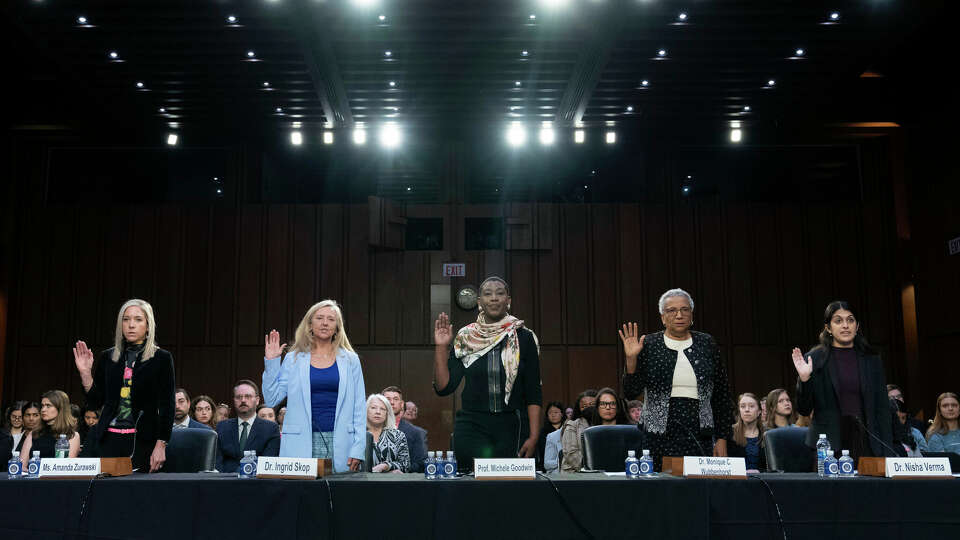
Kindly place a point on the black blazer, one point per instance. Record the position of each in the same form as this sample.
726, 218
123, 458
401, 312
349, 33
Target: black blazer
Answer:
152, 395
264, 438
6, 445
416, 443
819, 395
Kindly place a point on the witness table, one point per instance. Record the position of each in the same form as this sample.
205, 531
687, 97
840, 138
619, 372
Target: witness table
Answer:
388, 506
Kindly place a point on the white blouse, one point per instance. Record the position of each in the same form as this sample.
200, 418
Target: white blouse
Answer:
684, 379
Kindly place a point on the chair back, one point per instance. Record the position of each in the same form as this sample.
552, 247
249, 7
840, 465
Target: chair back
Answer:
787, 451
368, 453
191, 450
605, 447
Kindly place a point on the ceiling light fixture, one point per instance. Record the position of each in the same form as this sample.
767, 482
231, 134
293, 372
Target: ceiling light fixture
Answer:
172, 139
746, 108
359, 136
516, 84
611, 137
162, 110
579, 136
771, 83
533, 17
390, 136
393, 84
629, 108
382, 17
516, 135
644, 83
231, 19
279, 109
139, 84
799, 52
547, 136
662, 53
114, 55
328, 137
388, 54
296, 138
251, 54
835, 16
736, 135
266, 84
682, 16
81, 20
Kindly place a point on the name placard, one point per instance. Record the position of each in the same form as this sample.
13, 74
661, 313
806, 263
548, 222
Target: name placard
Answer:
735, 467
288, 467
69, 467
504, 468
926, 466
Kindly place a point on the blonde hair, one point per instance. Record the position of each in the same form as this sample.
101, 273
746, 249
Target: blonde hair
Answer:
939, 425
391, 421
303, 338
150, 340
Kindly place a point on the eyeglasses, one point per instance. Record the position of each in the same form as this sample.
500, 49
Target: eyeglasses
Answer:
607, 404
244, 396
673, 311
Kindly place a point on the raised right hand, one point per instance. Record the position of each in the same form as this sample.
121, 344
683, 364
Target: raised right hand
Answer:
804, 367
442, 330
83, 357
272, 348
631, 344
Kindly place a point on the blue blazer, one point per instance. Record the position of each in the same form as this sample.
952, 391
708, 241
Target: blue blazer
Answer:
264, 438
291, 379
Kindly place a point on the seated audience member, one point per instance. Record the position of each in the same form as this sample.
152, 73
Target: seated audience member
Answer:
551, 453
416, 436
181, 411
13, 425
246, 432
90, 419
782, 413
568, 413
203, 410
410, 412
390, 452
31, 420
571, 459
223, 412
56, 420
280, 415
552, 421
763, 412
944, 434
6, 444
634, 410
907, 440
609, 410
895, 392
747, 441
266, 413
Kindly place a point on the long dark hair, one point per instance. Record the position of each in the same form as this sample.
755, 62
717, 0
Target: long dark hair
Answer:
7, 424
826, 338
621, 418
589, 392
31, 405
773, 401
548, 427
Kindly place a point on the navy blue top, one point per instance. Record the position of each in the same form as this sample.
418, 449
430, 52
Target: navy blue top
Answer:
752, 453
324, 386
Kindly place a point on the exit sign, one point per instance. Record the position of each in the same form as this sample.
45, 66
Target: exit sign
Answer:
454, 269
955, 246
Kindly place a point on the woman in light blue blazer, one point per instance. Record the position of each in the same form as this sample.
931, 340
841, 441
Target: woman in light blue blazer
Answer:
323, 383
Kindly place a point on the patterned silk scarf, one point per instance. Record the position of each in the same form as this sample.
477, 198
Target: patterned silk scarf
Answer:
476, 339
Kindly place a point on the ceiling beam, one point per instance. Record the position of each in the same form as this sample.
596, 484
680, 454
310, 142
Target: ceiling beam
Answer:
321, 62
593, 57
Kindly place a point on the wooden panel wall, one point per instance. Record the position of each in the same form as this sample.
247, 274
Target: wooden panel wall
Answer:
221, 277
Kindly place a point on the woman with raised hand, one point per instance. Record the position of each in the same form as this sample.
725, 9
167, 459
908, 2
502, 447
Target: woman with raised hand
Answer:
322, 380
499, 360
134, 383
688, 409
843, 380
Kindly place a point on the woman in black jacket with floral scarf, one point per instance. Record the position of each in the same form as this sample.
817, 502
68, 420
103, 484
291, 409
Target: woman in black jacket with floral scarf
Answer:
688, 409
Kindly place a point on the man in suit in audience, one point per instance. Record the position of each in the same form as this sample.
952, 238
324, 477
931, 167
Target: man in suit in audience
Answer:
181, 412
416, 436
246, 431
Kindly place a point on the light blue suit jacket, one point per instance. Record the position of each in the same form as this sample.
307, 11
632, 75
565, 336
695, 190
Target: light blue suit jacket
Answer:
291, 379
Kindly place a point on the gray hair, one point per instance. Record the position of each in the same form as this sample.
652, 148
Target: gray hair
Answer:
674, 293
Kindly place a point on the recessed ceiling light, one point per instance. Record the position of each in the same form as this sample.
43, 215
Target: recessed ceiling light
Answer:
279, 109
359, 136
799, 52
409, 188
251, 54
579, 136
771, 82
524, 53
682, 16
296, 138
390, 136
382, 18
547, 136
516, 83
388, 53
835, 16
328, 137
644, 83
392, 84
266, 84
661, 53
611, 137
746, 108
172, 139
231, 19
114, 55
736, 135
629, 108
139, 84
162, 110
533, 17
516, 134
81, 20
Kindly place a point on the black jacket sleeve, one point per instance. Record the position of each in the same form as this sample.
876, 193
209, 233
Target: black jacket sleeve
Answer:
721, 401
95, 396
165, 395
272, 448
455, 366
530, 361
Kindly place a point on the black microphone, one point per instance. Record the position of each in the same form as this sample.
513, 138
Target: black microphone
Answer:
695, 440
885, 445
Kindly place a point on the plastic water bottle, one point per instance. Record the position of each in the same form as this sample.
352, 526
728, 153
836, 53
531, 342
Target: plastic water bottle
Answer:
14, 467
823, 446
62, 448
830, 467
33, 466
632, 465
248, 465
430, 468
440, 464
846, 464
646, 464
450, 466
